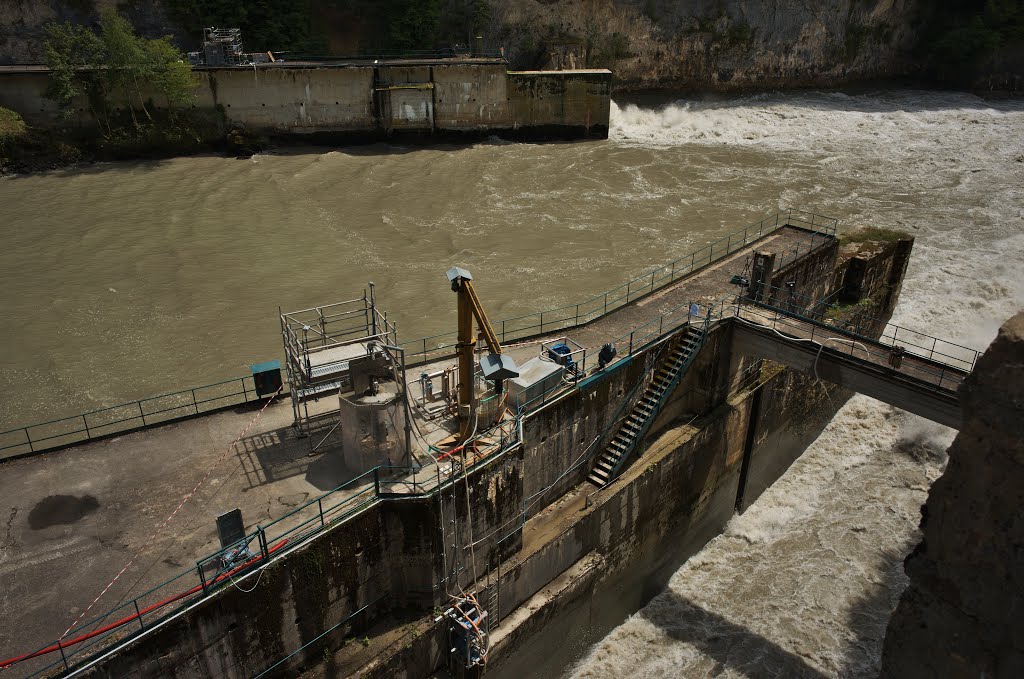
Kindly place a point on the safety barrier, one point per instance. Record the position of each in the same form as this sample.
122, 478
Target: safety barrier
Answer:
125, 417
826, 312
440, 346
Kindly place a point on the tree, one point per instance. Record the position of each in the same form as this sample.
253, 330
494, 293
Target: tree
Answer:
115, 63
70, 50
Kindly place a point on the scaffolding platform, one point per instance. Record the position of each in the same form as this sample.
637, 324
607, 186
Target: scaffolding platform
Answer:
320, 345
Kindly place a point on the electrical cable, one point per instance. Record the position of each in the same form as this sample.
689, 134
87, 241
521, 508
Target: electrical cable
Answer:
59, 645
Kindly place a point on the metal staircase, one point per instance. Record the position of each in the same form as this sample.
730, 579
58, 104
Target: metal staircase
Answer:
633, 429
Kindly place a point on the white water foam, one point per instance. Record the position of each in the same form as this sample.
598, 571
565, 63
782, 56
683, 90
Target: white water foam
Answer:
802, 584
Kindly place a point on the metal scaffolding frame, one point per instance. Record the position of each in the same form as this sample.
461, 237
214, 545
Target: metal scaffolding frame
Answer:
319, 344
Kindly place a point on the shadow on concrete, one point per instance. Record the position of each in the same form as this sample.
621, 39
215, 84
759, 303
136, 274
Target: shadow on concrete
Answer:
272, 456
728, 644
328, 471
281, 454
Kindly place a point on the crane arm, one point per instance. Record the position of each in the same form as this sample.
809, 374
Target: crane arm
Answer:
481, 318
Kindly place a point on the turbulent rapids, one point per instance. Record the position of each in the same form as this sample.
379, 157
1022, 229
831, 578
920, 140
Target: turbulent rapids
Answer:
803, 582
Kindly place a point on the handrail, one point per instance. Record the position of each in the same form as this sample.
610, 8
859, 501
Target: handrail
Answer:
79, 429
143, 412
569, 316
912, 341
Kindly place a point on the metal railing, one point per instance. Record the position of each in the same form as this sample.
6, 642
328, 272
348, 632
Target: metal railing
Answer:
440, 346
439, 53
865, 327
133, 415
931, 367
128, 416
258, 547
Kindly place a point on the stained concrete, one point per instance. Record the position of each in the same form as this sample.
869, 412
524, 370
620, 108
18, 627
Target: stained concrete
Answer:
365, 101
276, 474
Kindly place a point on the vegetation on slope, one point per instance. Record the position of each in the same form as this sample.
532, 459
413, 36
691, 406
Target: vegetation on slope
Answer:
968, 39
319, 27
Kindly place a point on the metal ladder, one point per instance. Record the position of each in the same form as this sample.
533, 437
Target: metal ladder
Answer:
647, 408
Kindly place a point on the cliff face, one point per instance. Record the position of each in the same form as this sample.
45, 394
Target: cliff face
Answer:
961, 615
707, 44
716, 45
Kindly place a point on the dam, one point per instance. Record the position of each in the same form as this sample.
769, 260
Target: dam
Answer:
358, 100
690, 395
954, 284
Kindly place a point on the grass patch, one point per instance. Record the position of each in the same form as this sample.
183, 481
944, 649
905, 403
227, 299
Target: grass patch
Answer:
873, 234
12, 128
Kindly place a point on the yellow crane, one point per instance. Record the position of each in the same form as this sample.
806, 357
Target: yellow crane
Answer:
495, 366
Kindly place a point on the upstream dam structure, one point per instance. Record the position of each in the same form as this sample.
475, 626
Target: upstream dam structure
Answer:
368, 99
629, 429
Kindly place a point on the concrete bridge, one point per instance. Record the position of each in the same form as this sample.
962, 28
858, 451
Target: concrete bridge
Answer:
909, 375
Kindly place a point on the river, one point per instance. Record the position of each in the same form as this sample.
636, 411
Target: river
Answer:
125, 280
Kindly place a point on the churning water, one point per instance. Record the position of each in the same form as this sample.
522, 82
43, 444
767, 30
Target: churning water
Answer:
124, 280
802, 584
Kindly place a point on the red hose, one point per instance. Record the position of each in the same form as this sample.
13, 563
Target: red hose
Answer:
4, 664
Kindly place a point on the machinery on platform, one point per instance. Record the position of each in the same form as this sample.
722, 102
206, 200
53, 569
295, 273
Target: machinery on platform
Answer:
495, 366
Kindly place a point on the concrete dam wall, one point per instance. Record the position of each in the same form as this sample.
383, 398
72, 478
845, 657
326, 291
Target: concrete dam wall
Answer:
549, 543
361, 100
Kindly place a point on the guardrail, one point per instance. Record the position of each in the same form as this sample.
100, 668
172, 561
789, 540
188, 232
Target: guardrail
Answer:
930, 369
126, 417
255, 549
913, 342
185, 403
440, 346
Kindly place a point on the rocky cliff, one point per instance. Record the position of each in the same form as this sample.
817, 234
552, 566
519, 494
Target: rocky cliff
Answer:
706, 44
963, 613
716, 45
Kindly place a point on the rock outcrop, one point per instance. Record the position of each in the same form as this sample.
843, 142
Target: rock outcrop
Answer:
699, 44
962, 614
705, 44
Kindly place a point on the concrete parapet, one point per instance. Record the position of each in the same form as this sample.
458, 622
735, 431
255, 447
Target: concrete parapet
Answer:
366, 101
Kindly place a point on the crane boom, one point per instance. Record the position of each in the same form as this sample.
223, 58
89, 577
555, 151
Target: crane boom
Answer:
496, 368
481, 319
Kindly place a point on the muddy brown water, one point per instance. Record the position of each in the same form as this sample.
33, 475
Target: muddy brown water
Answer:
120, 281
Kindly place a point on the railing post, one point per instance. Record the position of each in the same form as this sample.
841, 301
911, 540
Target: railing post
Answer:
606, 302
137, 613
425, 348
503, 332
728, 245
202, 578
376, 481
62, 656
86, 423
652, 281
661, 323
672, 276
195, 403
264, 549
29, 439
142, 414
245, 392
577, 316
631, 343
320, 504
